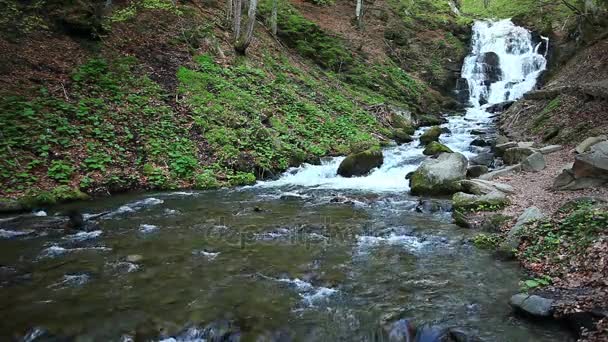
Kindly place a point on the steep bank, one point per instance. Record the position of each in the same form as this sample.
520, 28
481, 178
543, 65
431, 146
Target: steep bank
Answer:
147, 95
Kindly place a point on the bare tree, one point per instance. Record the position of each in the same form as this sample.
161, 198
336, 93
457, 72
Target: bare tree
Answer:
237, 8
228, 11
241, 43
273, 17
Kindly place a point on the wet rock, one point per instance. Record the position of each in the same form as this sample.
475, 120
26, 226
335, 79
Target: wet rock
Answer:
434, 148
501, 172
586, 144
439, 176
478, 132
491, 67
402, 330
480, 142
446, 130
432, 134
534, 163
475, 171
402, 137
499, 107
401, 118
550, 149
360, 164
463, 202
501, 139
532, 305
8, 205
430, 120
516, 155
433, 206
494, 223
462, 90
551, 134
461, 219
484, 158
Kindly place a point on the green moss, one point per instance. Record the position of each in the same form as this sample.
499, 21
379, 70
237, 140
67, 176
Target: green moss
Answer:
430, 135
434, 148
60, 194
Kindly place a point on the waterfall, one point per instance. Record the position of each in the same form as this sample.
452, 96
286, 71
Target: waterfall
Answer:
503, 64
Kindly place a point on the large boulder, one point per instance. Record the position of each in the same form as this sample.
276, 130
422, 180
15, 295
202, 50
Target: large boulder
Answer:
432, 134
401, 136
439, 176
586, 144
500, 149
360, 164
532, 305
493, 200
434, 148
8, 205
589, 170
483, 158
501, 172
402, 119
491, 67
534, 162
499, 107
484, 187
516, 155
475, 171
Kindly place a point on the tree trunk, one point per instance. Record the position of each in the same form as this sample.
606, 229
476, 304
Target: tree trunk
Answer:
273, 17
228, 11
236, 19
359, 13
243, 43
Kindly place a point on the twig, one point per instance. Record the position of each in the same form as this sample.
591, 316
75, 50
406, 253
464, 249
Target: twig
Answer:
65, 93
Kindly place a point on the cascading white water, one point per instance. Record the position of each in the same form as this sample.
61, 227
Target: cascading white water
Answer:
503, 65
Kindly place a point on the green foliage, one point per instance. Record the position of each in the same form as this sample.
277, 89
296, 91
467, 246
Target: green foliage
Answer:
134, 7
570, 234
207, 180
308, 38
322, 2
60, 171
62, 193
535, 283
487, 241
241, 178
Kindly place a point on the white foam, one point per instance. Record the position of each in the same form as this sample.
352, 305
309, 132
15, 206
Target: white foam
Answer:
208, 255
55, 250
9, 234
40, 213
137, 205
73, 280
409, 242
83, 236
311, 295
147, 228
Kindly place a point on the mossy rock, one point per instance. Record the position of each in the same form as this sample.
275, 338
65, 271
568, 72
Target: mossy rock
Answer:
430, 120
440, 175
60, 194
434, 148
401, 137
8, 205
488, 202
360, 164
432, 134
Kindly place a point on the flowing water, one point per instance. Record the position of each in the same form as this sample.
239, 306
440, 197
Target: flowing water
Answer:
310, 256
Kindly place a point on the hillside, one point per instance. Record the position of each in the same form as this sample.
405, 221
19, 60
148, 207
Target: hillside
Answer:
147, 95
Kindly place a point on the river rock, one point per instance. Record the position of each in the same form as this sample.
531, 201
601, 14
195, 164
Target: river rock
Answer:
432, 134
401, 331
434, 148
516, 155
401, 136
484, 187
8, 205
432, 206
586, 144
478, 132
532, 305
462, 201
501, 172
430, 120
534, 163
499, 107
491, 67
360, 164
550, 149
440, 175
511, 242
480, 142
483, 158
401, 118
475, 171
501, 139
500, 149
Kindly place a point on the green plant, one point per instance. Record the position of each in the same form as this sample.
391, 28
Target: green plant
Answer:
60, 171
206, 180
241, 178
535, 283
486, 241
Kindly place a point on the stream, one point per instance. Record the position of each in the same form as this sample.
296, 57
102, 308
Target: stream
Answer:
310, 256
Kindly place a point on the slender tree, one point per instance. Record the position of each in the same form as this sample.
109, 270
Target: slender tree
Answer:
242, 42
273, 17
228, 11
359, 13
237, 8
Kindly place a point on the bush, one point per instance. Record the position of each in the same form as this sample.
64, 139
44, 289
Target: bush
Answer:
60, 171
206, 180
